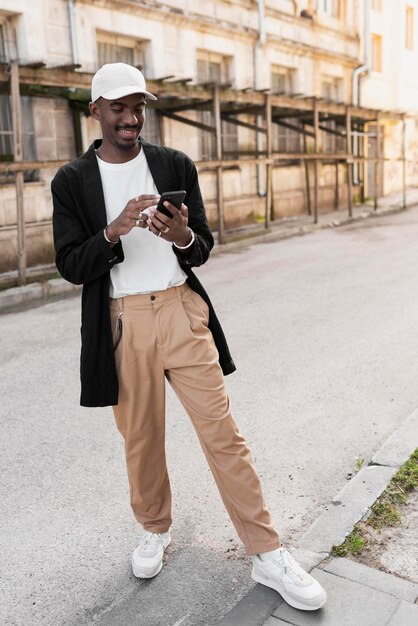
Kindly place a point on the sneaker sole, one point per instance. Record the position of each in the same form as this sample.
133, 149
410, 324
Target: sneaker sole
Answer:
281, 590
141, 573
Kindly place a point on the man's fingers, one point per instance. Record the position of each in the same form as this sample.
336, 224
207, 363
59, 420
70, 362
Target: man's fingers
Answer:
146, 197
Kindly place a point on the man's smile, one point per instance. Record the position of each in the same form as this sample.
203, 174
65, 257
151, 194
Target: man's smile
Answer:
128, 131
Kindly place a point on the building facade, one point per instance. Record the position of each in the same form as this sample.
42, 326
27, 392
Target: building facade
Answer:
298, 51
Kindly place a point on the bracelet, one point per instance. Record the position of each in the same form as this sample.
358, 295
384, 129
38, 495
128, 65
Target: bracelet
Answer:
189, 244
107, 238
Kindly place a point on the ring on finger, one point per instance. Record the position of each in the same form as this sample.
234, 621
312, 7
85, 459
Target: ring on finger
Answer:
159, 234
137, 222
165, 230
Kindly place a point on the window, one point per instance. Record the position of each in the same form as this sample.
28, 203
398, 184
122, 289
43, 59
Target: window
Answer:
282, 81
214, 68
8, 46
151, 129
330, 7
286, 139
3, 55
377, 5
376, 53
115, 49
6, 129
331, 89
118, 49
409, 28
6, 133
333, 142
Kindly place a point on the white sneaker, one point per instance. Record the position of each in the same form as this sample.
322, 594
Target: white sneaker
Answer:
147, 558
281, 572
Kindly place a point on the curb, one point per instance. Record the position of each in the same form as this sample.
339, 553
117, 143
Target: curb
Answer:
350, 505
35, 293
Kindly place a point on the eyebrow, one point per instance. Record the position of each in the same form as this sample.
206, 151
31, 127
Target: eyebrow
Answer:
120, 103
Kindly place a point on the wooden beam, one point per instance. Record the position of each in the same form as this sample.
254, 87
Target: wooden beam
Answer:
307, 181
377, 165
316, 142
337, 188
19, 181
298, 129
185, 120
233, 120
349, 162
64, 77
269, 168
403, 162
219, 173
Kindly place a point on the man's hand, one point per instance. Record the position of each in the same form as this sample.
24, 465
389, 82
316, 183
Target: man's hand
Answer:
131, 216
172, 229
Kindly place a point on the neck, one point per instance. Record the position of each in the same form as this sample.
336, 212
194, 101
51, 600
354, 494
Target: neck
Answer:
112, 154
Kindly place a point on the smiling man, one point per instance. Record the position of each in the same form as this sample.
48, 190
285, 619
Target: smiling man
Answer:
146, 319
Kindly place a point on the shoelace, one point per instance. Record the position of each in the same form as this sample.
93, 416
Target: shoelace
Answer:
149, 543
295, 572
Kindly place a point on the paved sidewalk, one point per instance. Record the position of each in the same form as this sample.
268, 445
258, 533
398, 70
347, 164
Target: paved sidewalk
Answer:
357, 595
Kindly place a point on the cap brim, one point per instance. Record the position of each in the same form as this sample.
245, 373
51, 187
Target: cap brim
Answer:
121, 92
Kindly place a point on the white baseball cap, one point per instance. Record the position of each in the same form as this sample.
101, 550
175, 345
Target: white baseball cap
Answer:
116, 80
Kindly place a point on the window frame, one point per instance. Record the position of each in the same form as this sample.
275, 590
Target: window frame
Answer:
332, 8
409, 27
286, 139
229, 130
138, 47
8, 27
377, 53
288, 76
29, 148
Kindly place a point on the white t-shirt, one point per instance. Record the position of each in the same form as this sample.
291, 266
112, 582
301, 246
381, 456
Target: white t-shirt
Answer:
150, 263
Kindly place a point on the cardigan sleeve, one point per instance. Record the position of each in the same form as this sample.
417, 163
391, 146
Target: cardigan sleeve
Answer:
82, 254
203, 243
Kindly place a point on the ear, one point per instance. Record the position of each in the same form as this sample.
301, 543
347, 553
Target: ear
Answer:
94, 110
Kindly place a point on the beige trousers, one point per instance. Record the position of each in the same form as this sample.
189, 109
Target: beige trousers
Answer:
165, 335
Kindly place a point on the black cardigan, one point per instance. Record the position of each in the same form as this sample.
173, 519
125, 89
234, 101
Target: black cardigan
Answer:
84, 257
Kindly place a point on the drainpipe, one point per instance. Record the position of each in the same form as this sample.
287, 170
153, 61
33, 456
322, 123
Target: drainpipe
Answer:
73, 31
257, 73
365, 68
356, 77
260, 43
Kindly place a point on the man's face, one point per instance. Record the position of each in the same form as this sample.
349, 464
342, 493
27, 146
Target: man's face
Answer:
121, 120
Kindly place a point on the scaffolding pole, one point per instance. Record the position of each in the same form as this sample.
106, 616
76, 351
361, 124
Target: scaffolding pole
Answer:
307, 181
377, 163
316, 138
269, 168
403, 162
19, 181
349, 161
337, 188
219, 171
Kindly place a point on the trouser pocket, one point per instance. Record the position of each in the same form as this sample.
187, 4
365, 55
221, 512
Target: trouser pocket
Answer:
117, 330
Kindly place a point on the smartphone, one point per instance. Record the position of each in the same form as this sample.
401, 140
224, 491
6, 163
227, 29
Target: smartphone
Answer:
174, 197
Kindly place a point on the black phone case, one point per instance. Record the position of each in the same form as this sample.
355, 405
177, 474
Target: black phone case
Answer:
174, 197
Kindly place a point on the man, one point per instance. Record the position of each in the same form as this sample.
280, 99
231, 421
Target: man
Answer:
147, 318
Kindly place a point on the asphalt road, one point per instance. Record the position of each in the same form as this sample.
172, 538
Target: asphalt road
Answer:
324, 332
